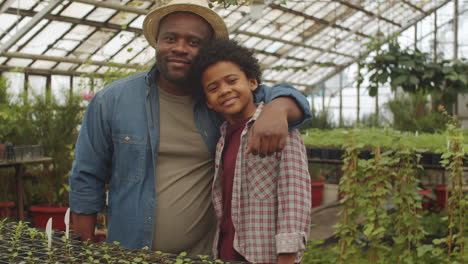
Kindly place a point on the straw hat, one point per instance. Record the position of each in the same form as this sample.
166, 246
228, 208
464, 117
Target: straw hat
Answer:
198, 7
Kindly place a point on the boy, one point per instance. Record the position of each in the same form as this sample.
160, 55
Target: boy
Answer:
262, 204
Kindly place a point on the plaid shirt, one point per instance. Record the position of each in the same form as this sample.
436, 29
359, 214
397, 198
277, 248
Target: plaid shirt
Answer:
271, 199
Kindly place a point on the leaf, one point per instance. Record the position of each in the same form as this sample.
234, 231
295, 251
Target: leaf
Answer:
414, 80
400, 80
422, 250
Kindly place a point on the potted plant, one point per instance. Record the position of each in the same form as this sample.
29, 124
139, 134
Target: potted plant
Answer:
56, 127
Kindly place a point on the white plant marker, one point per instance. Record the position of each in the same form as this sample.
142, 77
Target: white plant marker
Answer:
67, 223
49, 232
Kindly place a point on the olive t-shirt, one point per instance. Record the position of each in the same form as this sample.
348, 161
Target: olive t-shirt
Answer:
185, 218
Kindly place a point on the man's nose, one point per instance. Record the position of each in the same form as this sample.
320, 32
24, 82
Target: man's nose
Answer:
180, 46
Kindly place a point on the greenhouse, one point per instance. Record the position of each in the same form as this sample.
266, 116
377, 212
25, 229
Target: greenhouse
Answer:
101, 121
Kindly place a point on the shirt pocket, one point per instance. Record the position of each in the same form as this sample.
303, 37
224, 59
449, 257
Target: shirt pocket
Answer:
262, 176
129, 156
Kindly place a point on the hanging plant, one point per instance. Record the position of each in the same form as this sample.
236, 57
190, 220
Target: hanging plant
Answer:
414, 71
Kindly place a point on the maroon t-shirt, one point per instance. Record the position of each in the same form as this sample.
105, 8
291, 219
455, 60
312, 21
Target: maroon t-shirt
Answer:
226, 236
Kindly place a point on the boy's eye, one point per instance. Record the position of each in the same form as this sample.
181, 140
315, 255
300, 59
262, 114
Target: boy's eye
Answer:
212, 88
231, 81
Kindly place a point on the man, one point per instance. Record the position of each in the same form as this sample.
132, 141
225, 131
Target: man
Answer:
153, 143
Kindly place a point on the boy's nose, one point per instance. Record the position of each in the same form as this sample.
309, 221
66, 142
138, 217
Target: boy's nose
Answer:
225, 89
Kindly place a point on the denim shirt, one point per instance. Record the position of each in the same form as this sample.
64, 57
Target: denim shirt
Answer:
118, 146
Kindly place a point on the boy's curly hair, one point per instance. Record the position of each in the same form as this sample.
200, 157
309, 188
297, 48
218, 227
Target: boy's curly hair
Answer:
223, 50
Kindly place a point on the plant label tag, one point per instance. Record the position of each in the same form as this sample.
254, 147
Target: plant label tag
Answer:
67, 223
49, 232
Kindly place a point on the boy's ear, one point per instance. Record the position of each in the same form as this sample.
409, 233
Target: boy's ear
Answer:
253, 84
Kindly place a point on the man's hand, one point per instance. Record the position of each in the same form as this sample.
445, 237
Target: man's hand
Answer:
84, 226
268, 133
286, 258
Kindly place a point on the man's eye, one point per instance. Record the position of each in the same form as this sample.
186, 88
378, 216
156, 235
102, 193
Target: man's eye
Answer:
194, 42
232, 81
169, 38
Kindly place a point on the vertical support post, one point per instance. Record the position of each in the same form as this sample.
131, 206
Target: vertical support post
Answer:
26, 82
358, 103
377, 106
341, 100
71, 85
19, 190
416, 36
323, 97
435, 36
455, 45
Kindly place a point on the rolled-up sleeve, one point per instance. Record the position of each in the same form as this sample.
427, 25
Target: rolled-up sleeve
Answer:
268, 94
294, 198
92, 165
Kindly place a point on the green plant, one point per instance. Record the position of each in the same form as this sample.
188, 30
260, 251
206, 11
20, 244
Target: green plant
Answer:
410, 114
457, 203
347, 229
415, 71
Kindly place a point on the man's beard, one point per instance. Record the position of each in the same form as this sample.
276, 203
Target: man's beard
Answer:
180, 81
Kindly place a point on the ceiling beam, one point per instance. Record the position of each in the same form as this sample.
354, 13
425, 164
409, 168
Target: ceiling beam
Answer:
340, 68
414, 7
31, 23
316, 19
111, 5
68, 60
36, 71
6, 5
277, 55
72, 20
369, 13
291, 43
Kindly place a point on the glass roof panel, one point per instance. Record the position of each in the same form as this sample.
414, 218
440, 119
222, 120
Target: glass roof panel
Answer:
115, 44
56, 52
147, 55
77, 10
42, 64
15, 29
15, 62
65, 66
34, 30
123, 18
79, 32
131, 50
138, 22
24, 4
94, 42
46, 37
87, 68
101, 14
7, 21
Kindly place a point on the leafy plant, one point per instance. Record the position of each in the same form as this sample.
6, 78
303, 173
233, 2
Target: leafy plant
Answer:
410, 114
457, 203
415, 72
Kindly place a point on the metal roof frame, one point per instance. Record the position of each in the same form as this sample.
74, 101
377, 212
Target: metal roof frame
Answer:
318, 37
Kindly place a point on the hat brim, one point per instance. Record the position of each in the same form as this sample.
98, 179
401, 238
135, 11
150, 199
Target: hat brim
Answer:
152, 20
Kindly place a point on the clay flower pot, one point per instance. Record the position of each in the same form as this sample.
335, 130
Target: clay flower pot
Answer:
42, 213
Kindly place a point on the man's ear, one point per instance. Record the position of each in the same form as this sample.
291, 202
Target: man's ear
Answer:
253, 84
